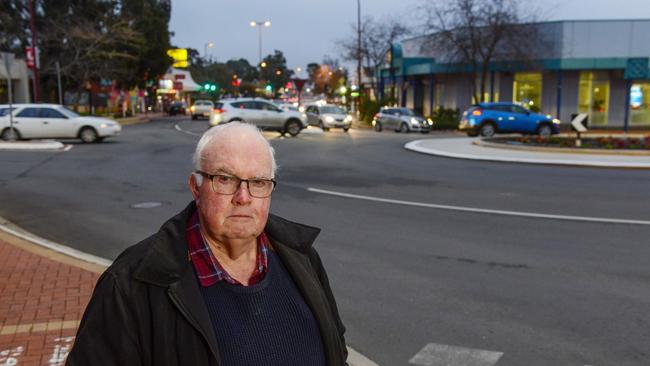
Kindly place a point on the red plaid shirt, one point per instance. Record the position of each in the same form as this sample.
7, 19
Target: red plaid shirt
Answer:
207, 267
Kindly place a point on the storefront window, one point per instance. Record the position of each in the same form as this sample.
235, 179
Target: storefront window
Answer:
527, 90
593, 97
640, 104
488, 89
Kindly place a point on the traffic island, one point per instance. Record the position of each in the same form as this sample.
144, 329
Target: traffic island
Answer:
594, 144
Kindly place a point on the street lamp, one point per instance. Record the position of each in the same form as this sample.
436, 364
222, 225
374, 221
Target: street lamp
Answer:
205, 49
259, 25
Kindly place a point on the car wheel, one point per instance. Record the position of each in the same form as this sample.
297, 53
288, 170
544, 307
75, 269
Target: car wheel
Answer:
404, 128
88, 135
472, 134
425, 131
346, 129
194, 118
9, 134
487, 130
544, 130
293, 127
322, 126
378, 127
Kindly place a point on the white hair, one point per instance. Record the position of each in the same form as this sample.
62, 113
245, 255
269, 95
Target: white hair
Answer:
214, 134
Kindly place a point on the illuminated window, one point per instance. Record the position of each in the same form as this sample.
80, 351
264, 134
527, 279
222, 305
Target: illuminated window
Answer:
527, 90
593, 97
640, 104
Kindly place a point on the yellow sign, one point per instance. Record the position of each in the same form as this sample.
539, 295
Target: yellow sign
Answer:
179, 55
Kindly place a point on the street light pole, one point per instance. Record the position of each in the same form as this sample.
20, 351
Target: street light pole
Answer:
205, 49
358, 54
259, 24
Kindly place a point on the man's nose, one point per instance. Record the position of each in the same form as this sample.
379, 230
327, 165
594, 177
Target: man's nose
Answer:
242, 195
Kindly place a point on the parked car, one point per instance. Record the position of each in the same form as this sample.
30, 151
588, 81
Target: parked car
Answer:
287, 106
328, 116
488, 119
177, 107
35, 121
400, 120
259, 112
201, 108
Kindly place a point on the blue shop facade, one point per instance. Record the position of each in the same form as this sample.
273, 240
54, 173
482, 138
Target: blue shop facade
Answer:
598, 67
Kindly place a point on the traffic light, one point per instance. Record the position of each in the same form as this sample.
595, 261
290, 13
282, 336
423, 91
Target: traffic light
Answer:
269, 87
210, 87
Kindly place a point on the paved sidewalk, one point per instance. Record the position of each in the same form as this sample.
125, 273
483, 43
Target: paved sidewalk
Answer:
43, 294
464, 148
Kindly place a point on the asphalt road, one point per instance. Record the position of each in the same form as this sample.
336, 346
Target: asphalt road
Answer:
539, 291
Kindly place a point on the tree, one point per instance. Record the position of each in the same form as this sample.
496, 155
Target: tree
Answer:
376, 37
243, 69
275, 71
327, 77
474, 33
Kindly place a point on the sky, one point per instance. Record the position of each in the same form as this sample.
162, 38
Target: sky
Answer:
307, 30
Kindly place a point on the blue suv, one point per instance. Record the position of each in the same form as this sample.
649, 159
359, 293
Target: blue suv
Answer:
487, 119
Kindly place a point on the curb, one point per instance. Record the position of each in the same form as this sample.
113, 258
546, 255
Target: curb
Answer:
45, 145
414, 146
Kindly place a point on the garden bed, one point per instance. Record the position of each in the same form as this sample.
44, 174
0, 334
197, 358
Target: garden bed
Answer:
607, 143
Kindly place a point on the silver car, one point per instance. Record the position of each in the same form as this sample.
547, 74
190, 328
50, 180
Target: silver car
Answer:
328, 116
201, 108
400, 120
37, 121
258, 112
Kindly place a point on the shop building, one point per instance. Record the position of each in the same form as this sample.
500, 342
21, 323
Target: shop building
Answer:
598, 67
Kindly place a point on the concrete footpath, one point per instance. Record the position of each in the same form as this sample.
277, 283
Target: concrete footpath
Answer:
476, 149
44, 294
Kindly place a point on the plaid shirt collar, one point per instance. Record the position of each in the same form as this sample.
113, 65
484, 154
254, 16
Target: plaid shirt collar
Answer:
208, 269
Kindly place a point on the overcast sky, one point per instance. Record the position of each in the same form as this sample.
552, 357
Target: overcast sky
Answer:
306, 30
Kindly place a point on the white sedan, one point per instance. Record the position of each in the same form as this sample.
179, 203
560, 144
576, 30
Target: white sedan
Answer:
37, 121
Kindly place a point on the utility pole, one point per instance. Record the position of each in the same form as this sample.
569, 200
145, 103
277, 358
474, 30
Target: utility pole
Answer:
37, 88
8, 59
58, 81
358, 55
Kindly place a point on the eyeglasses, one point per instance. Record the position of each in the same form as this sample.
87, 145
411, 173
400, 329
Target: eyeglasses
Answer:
229, 184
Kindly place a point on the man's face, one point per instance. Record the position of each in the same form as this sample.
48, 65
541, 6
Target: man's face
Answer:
238, 216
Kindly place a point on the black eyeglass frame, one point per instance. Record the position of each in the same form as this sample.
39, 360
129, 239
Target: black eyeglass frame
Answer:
211, 177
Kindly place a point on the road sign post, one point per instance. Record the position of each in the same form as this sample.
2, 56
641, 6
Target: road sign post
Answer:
579, 127
8, 61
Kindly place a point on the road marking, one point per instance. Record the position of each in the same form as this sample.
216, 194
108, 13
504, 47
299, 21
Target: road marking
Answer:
60, 351
9, 357
178, 128
39, 327
443, 355
483, 210
357, 359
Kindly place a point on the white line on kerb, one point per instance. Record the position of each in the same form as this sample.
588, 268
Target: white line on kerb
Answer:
483, 210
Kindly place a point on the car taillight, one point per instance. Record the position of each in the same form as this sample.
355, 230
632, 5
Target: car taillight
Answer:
219, 110
477, 112
376, 116
192, 108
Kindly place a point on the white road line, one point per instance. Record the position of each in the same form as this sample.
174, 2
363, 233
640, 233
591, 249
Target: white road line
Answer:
178, 128
443, 355
357, 359
483, 210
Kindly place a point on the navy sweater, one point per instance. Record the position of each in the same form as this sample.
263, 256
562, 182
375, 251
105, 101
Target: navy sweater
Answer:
268, 323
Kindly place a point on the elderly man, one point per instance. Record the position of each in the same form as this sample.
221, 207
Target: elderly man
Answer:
221, 283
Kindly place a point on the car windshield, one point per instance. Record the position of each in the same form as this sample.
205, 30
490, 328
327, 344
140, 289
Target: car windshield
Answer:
331, 109
68, 112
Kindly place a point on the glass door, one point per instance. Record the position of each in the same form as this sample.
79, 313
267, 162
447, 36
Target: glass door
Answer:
593, 97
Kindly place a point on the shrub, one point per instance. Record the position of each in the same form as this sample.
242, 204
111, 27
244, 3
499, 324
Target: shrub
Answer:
445, 119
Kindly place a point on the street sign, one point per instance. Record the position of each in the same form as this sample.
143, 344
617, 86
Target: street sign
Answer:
299, 83
577, 122
30, 58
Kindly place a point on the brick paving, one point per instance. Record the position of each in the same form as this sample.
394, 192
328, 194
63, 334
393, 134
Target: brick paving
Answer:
42, 301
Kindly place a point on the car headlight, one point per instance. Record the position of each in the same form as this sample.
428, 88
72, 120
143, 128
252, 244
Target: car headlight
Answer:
430, 121
103, 125
329, 119
414, 121
556, 121
348, 118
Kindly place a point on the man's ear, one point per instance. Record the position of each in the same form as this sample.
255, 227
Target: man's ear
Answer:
194, 186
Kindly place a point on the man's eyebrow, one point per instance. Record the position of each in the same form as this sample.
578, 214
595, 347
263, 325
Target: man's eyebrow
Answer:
228, 172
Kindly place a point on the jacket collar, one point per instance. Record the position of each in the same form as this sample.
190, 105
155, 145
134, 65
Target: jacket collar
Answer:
167, 259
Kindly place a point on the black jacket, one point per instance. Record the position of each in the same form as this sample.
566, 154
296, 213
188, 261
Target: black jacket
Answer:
147, 308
